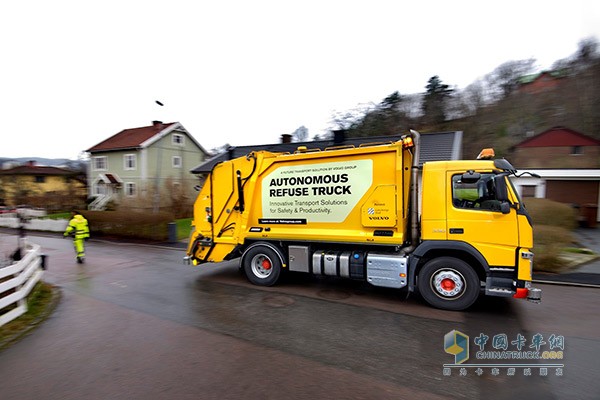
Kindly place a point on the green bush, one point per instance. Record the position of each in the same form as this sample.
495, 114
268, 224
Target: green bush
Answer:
548, 212
136, 225
548, 243
553, 223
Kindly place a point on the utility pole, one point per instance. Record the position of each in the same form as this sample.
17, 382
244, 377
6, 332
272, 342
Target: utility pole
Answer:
156, 207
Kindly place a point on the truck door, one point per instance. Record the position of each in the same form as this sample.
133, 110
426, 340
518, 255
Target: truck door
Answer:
475, 216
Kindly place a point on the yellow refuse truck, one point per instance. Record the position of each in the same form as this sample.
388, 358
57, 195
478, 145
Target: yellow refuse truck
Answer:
450, 230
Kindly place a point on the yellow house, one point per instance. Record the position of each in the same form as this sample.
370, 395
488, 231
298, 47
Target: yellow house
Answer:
51, 188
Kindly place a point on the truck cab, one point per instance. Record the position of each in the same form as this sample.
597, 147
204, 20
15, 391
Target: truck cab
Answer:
471, 212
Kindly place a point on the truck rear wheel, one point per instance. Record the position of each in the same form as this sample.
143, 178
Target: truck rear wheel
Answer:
262, 264
449, 283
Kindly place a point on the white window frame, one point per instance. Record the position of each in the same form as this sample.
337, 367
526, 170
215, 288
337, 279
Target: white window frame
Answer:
130, 189
130, 157
177, 139
96, 160
177, 162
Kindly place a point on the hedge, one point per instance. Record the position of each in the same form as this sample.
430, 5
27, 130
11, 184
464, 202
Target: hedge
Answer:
136, 225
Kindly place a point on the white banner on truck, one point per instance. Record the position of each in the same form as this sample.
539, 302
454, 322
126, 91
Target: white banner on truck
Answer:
325, 192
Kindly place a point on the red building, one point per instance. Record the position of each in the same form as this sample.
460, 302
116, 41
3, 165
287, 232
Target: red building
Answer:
568, 163
536, 83
558, 147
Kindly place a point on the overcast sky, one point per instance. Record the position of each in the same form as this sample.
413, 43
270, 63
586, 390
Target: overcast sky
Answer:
242, 72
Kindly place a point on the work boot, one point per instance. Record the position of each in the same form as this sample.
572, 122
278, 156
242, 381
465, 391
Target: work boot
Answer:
79, 260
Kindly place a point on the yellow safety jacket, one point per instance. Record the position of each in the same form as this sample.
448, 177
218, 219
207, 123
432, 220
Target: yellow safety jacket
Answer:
78, 225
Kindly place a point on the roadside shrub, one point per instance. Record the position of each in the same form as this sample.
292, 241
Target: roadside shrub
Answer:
549, 242
548, 212
136, 225
553, 223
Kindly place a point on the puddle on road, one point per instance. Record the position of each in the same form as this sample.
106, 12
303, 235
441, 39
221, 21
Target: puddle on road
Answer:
276, 300
333, 294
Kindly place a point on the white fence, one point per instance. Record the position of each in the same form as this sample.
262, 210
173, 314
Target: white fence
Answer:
48, 225
17, 280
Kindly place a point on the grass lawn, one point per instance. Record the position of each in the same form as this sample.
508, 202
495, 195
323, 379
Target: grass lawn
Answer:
39, 304
65, 215
184, 228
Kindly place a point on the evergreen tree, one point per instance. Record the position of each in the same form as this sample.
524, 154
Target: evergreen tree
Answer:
434, 102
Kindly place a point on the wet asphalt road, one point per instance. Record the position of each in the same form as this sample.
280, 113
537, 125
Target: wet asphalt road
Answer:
134, 322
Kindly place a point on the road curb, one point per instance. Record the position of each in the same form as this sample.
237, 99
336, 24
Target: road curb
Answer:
566, 283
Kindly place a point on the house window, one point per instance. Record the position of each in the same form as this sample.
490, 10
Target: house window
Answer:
576, 150
130, 189
130, 162
40, 179
176, 162
178, 139
100, 163
528, 191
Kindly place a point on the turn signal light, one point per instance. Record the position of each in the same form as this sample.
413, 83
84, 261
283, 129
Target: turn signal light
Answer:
407, 142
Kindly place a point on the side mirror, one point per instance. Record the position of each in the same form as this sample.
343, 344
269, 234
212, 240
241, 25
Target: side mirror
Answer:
502, 194
501, 190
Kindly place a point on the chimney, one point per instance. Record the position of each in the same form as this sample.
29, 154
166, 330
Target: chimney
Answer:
286, 138
339, 137
157, 124
30, 163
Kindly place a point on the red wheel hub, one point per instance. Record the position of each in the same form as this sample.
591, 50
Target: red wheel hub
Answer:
266, 264
448, 284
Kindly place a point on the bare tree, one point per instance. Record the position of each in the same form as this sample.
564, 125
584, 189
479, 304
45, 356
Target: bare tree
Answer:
300, 134
505, 78
473, 97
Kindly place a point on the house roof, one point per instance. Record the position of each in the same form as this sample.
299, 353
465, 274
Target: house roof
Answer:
112, 178
37, 170
439, 146
136, 138
558, 136
130, 138
526, 79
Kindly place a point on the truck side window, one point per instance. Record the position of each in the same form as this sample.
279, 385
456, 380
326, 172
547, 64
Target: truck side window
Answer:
480, 195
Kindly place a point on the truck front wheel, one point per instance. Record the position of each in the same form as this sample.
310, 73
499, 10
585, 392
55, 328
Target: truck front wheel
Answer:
448, 283
262, 264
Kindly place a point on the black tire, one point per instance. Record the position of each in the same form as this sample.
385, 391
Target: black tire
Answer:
262, 264
449, 283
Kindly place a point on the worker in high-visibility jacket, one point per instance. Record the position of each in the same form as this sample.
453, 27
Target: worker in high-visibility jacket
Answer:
78, 228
